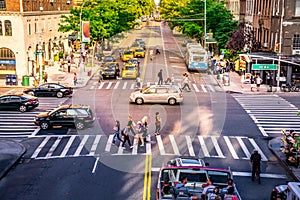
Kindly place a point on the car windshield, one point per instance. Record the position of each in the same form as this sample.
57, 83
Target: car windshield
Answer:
139, 50
127, 52
190, 162
130, 68
109, 59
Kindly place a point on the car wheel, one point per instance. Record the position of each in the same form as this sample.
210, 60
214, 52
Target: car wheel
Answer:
172, 101
44, 125
139, 101
22, 108
79, 125
59, 94
31, 93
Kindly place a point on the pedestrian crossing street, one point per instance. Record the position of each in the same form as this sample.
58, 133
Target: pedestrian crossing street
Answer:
270, 113
237, 147
17, 124
131, 85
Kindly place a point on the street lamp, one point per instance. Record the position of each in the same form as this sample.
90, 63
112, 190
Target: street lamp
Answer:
81, 65
205, 25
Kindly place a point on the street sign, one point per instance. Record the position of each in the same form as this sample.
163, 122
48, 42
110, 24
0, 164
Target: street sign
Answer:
264, 66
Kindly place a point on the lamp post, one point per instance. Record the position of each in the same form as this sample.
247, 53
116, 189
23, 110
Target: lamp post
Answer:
280, 46
205, 25
81, 65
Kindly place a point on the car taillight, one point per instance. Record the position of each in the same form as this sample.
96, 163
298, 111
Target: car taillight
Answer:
180, 95
90, 117
175, 183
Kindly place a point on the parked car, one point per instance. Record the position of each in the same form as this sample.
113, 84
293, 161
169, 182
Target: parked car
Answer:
78, 116
50, 89
139, 53
18, 102
127, 55
170, 94
197, 177
187, 161
130, 71
109, 70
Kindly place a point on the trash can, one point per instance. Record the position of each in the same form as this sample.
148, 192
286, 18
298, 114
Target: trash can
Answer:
14, 79
8, 79
226, 80
25, 80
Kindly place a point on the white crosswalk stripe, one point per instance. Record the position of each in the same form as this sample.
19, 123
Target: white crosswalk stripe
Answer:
270, 113
127, 85
210, 146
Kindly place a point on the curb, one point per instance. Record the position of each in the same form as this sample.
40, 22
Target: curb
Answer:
13, 161
283, 163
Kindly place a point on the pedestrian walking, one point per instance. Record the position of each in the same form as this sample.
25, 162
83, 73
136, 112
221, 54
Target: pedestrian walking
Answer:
151, 54
145, 128
131, 125
139, 135
75, 78
138, 82
252, 83
157, 123
45, 77
100, 76
126, 137
117, 72
160, 78
117, 132
255, 161
186, 82
157, 51
258, 81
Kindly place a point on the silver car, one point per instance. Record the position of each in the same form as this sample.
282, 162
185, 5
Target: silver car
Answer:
170, 94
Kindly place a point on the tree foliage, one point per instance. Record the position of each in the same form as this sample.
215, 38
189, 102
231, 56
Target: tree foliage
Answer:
183, 14
106, 18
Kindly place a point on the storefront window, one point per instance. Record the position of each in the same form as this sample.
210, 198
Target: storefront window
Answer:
297, 13
2, 5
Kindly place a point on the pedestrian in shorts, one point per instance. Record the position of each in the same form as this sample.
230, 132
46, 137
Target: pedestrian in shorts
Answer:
157, 123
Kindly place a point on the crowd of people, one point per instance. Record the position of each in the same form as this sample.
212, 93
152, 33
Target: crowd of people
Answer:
290, 146
138, 131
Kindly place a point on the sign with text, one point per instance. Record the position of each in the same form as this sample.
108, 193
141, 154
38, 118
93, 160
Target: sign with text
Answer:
264, 67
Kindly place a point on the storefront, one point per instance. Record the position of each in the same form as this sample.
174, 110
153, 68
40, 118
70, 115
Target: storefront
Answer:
7, 62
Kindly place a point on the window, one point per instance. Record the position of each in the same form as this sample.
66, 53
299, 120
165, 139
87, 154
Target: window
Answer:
2, 5
35, 27
297, 11
8, 28
296, 42
1, 32
29, 29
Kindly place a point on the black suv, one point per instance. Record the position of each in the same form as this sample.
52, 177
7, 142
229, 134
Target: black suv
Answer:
78, 116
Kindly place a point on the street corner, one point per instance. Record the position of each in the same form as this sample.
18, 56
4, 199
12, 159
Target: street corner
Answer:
10, 152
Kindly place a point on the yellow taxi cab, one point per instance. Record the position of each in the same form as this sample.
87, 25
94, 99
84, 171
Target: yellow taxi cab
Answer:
129, 71
139, 52
127, 55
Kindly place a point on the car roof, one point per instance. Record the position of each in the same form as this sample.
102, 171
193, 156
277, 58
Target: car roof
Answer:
74, 106
17, 95
196, 168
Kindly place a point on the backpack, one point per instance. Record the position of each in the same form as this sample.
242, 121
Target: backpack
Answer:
124, 132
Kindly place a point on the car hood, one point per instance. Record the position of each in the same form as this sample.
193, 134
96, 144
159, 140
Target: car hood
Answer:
43, 114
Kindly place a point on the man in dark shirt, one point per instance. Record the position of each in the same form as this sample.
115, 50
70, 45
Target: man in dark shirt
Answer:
255, 161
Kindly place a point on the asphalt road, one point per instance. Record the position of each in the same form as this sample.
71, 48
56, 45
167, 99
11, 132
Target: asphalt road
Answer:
66, 164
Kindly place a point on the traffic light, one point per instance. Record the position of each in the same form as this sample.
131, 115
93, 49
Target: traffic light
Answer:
276, 47
76, 45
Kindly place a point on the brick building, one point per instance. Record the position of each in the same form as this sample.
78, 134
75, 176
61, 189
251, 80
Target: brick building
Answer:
276, 24
29, 35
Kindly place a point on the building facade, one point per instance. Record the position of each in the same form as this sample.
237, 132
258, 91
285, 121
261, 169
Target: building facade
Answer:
29, 35
276, 25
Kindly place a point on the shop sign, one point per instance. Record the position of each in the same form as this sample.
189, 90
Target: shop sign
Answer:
8, 62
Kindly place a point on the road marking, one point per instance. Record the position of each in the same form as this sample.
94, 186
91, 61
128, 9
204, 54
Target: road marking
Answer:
203, 146
263, 175
132, 86
244, 148
231, 148
174, 145
160, 145
81, 145
109, 85
196, 88
40, 147
217, 147
95, 165
101, 85
190, 145
203, 88
53, 147
124, 86
109, 142
117, 85
35, 131
135, 146
68, 145
95, 145
211, 88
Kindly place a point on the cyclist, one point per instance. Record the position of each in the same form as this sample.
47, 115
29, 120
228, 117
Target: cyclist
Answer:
255, 161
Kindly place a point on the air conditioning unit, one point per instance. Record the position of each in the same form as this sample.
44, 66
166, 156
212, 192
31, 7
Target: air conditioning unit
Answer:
296, 52
68, 2
51, 1
41, 8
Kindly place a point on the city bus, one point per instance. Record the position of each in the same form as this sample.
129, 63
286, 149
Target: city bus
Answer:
196, 58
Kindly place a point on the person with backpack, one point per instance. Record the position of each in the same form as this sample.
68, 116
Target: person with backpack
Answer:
255, 161
117, 132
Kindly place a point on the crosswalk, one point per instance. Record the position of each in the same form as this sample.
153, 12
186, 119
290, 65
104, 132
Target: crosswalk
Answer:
131, 85
237, 147
270, 113
17, 124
